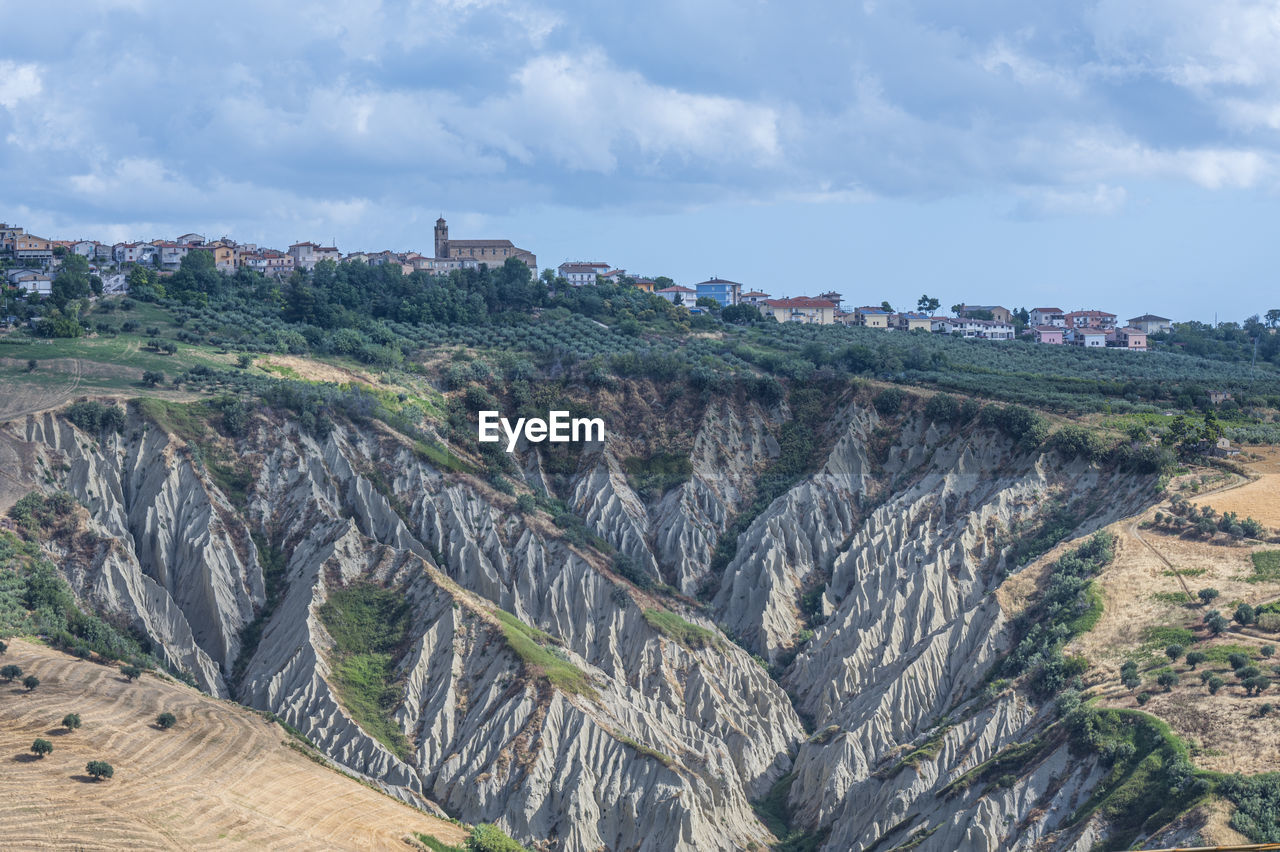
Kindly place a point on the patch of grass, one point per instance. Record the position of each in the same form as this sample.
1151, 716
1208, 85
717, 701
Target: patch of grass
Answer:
1184, 572
1266, 567
775, 812
686, 633
436, 845
1171, 598
535, 649
1151, 780
663, 758
1161, 636
273, 563
369, 626
1012, 759
441, 457
1087, 620
656, 475
1219, 653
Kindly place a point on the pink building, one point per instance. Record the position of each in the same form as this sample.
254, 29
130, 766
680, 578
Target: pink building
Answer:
1049, 334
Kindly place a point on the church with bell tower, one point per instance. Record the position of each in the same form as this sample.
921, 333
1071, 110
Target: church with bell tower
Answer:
491, 252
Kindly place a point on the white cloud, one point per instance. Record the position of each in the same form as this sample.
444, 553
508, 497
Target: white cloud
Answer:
18, 82
1101, 200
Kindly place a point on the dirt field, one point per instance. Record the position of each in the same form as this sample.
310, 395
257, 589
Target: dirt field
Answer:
222, 778
1259, 499
316, 371
1140, 590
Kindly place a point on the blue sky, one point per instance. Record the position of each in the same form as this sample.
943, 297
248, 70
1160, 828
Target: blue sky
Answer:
1120, 154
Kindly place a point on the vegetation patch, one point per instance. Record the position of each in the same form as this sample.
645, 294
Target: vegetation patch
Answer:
774, 810
1010, 762
663, 758
686, 633
656, 475
369, 626
1257, 802
1266, 567
274, 564
1069, 604
543, 657
35, 600
1151, 780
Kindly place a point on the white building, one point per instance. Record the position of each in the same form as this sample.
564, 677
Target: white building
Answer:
582, 273
1048, 316
32, 281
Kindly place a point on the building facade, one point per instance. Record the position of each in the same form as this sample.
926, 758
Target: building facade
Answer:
725, 292
492, 252
1047, 316
1151, 324
801, 309
581, 273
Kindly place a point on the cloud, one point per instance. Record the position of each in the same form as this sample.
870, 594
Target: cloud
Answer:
18, 82
491, 105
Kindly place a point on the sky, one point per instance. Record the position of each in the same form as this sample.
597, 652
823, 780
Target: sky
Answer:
1114, 154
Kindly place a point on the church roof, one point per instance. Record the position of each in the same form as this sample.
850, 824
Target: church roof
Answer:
481, 243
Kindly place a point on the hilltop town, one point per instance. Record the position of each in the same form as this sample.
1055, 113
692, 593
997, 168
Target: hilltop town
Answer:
31, 264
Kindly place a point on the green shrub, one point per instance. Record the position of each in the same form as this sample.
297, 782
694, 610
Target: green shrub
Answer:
41, 747
99, 769
487, 837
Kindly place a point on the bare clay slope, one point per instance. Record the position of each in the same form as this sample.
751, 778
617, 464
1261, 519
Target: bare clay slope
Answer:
221, 778
895, 543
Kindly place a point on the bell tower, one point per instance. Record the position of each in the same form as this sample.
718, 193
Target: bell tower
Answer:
442, 238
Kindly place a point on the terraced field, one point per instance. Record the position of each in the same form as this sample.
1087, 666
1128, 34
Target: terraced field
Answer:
221, 778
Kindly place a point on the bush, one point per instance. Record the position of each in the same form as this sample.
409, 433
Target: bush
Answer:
10, 672
165, 721
99, 769
487, 837
151, 378
31, 682
889, 401
71, 721
1269, 621
1195, 658
1215, 683
624, 566
1173, 652
1245, 615
131, 672
1143, 698
3, 648
1168, 679
942, 408
41, 747
95, 417
1207, 595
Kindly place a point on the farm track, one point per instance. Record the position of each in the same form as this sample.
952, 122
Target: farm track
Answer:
222, 778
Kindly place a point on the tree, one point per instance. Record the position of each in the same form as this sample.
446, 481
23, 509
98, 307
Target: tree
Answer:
71, 721
1256, 685
1168, 679
886, 307
1173, 652
1216, 622
1245, 615
926, 304
3, 648
99, 769
1273, 318
1265, 650
41, 747
32, 363
151, 378
1195, 658
31, 682
10, 672
1215, 683
71, 282
166, 721
244, 361
1130, 679
1207, 595
131, 672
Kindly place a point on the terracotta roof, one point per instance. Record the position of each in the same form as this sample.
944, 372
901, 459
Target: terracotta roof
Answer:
481, 243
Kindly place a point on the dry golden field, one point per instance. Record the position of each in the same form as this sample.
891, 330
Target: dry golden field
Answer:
222, 778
